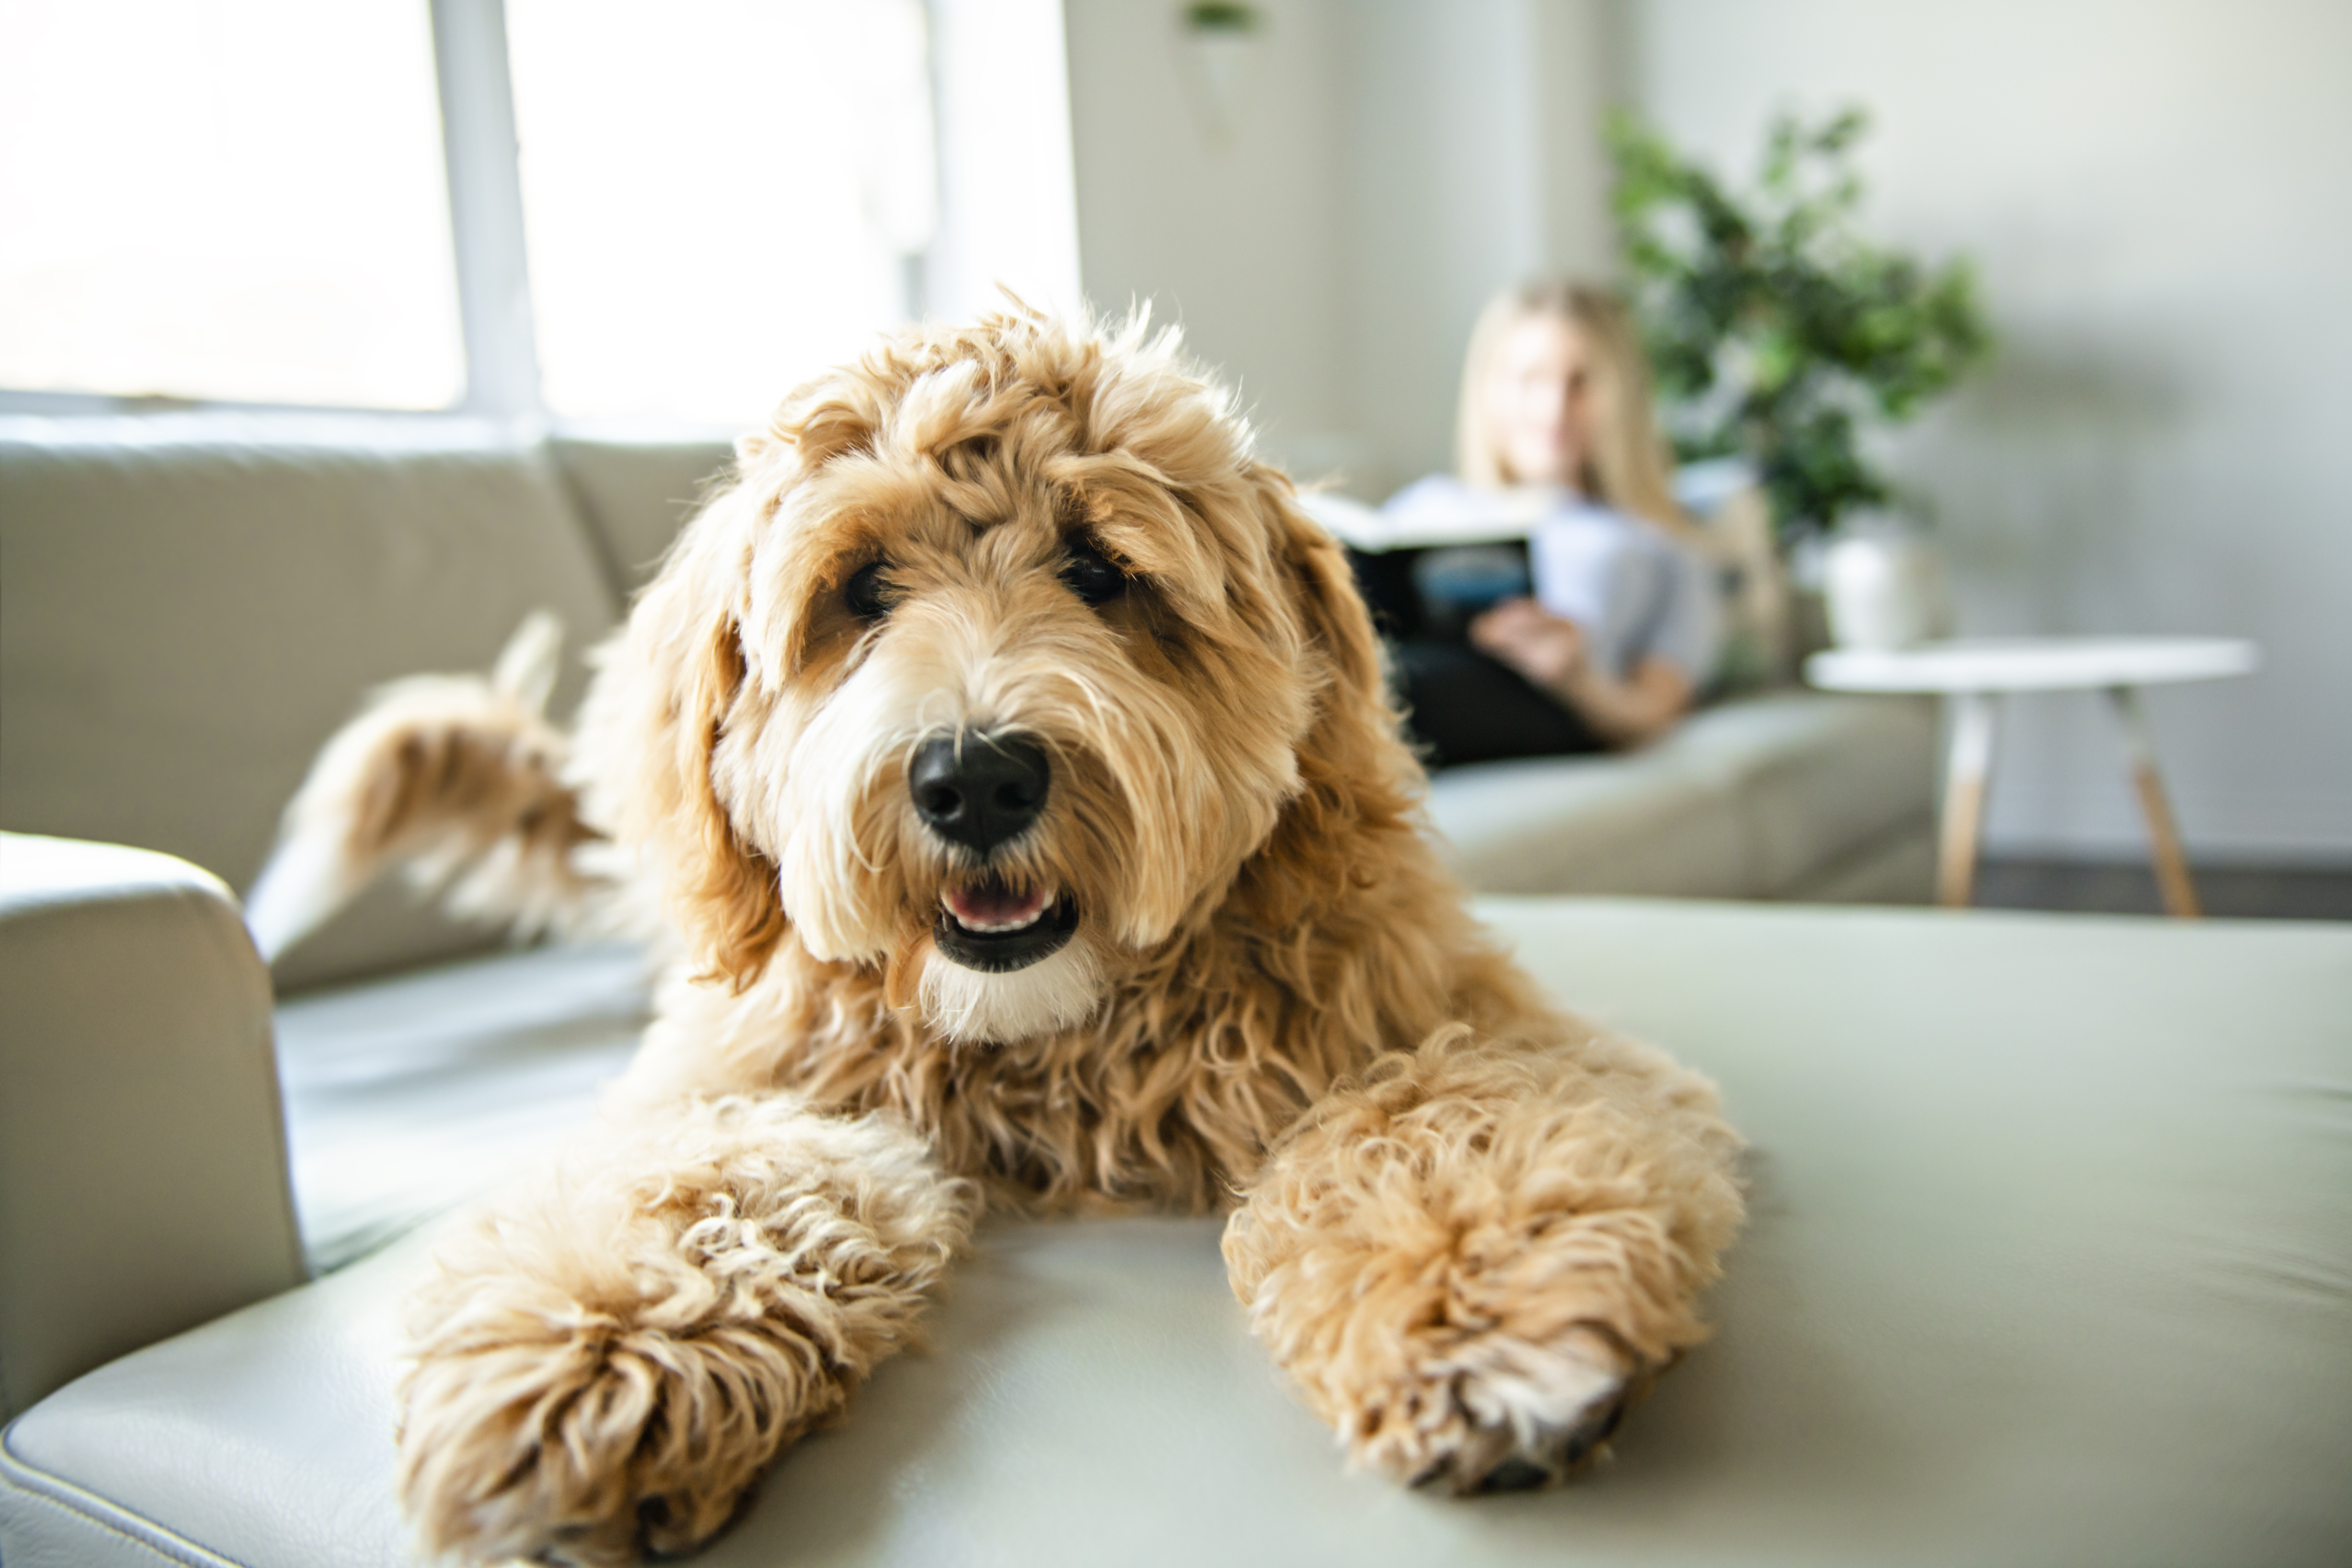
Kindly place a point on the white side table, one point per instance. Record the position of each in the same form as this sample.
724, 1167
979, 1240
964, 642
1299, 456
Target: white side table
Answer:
1973, 674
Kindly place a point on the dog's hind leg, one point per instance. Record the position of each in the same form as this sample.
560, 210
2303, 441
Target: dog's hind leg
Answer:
458, 777
607, 1361
1474, 1257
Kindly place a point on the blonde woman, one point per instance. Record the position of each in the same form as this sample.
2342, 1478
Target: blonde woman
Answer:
1555, 443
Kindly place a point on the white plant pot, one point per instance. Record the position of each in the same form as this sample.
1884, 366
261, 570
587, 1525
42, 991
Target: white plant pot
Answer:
1882, 589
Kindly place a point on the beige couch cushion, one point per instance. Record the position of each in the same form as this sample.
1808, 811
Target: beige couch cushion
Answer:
1756, 798
1815, 778
407, 1095
190, 605
2049, 1261
636, 494
1613, 826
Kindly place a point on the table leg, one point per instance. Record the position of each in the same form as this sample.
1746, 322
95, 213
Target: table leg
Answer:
1964, 796
2164, 838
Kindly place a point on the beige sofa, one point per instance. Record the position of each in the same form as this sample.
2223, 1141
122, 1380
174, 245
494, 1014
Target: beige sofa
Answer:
2049, 1261
190, 605
1793, 796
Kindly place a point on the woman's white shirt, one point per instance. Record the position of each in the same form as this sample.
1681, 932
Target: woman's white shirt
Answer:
1630, 587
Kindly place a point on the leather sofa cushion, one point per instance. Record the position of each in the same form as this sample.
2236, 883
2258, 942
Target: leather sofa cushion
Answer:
138, 1111
2050, 1260
1747, 799
407, 1096
190, 605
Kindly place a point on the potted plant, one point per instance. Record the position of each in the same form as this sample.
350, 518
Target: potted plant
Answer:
1779, 334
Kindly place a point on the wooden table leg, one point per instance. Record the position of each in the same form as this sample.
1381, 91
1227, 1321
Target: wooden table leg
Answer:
1964, 796
2164, 838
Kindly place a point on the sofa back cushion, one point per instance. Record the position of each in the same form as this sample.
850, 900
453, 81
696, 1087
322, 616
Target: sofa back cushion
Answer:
189, 606
636, 494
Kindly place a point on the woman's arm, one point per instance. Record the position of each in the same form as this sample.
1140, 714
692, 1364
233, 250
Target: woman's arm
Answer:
1551, 652
1632, 712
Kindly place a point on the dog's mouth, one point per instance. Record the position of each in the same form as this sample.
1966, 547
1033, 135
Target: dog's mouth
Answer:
996, 928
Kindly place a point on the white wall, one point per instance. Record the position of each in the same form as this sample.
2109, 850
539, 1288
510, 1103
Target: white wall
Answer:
1473, 165
1240, 239
1395, 163
2160, 194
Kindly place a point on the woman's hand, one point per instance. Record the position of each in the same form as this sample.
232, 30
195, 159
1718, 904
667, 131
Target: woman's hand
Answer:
1551, 653
1540, 644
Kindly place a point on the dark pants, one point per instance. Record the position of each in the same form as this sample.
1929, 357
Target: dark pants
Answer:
1460, 705
1464, 707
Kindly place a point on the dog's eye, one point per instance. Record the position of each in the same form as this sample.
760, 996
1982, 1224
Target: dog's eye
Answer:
867, 592
1093, 576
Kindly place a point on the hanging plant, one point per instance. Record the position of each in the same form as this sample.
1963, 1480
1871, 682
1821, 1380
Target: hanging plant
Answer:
1776, 331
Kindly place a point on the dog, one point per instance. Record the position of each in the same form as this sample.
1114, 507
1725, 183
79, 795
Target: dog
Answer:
1007, 761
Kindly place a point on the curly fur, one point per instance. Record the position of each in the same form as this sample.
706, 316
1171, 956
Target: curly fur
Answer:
460, 778
1486, 1233
1469, 1225
612, 1353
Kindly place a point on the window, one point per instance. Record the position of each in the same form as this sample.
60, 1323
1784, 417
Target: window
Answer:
661, 213
720, 196
240, 201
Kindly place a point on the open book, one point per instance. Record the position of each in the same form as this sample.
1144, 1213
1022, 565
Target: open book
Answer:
1496, 517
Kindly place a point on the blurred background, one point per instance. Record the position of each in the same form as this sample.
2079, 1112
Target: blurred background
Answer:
576, 215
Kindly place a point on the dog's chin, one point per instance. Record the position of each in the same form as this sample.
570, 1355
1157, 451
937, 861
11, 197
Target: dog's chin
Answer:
1059, 989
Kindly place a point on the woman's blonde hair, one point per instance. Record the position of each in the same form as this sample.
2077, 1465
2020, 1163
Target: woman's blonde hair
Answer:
1626, 467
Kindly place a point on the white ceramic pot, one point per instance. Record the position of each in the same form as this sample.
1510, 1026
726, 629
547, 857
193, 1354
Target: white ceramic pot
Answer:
1884, 589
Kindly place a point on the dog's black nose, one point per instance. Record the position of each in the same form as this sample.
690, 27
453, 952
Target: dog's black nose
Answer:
978, 790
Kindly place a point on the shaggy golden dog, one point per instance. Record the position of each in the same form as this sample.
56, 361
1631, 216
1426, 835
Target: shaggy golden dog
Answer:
1010, 760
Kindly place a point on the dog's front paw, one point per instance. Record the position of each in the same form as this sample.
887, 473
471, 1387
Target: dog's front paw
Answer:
606, 1359
1493, 1413
594, 1443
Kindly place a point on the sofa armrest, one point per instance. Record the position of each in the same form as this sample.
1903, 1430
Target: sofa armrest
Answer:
143, 1155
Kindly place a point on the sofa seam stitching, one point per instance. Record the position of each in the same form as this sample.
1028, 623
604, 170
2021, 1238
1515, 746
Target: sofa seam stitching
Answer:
112, 1529
40, 1491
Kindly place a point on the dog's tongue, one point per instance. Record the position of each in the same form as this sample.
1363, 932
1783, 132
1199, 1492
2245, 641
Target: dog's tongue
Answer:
993, 907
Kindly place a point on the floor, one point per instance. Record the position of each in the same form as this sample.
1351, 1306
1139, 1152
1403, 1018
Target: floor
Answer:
2122, 887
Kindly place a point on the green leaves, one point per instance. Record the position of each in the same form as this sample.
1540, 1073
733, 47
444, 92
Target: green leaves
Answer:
1221, 18
1774, 328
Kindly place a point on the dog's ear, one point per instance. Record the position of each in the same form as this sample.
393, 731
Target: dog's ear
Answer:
668, 694
1358, 782
1323, 588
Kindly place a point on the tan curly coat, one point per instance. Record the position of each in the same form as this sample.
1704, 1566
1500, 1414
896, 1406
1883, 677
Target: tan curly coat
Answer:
1469, 1225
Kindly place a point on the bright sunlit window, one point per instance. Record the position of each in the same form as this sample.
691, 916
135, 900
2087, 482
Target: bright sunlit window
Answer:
665, 215
720, 196
238, 200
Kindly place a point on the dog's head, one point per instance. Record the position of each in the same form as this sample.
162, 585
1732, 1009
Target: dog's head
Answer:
1000, 659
